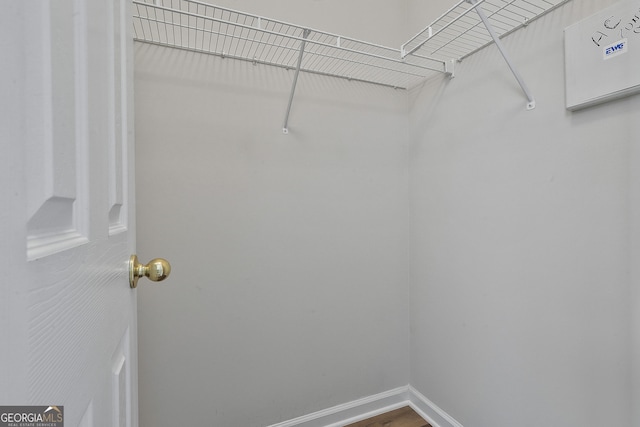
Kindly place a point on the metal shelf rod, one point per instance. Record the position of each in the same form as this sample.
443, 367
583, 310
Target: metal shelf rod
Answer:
532, 103
285, 128
272, 64
516, 28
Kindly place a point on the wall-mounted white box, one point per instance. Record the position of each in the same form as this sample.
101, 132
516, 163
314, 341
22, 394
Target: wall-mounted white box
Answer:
602, 56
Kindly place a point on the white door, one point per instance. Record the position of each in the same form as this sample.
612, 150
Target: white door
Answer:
67, 313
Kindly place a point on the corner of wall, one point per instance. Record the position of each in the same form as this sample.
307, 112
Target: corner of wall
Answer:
371, 406
430, 411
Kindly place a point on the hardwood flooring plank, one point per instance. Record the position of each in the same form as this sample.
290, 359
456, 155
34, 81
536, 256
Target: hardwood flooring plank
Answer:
403, 417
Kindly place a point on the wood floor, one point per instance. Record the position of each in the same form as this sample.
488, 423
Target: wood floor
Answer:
403, 417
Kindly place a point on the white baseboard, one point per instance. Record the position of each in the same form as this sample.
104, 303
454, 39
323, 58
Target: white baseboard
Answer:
429, 410
361, 409
352, 412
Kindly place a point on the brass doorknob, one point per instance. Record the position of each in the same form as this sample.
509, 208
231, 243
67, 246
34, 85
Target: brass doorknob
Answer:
156, 270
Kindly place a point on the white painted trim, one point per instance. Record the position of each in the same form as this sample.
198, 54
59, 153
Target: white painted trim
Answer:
354, 411
367, 407
49, 244
430, 411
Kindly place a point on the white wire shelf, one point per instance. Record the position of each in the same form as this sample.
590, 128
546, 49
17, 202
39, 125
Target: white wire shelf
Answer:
460, 32
203, 27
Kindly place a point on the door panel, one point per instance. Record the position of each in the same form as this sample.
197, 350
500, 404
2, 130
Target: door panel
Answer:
68, 314
117, 24
56, 136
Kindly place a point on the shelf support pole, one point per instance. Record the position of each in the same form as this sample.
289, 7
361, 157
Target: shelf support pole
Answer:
532, 103
305, 34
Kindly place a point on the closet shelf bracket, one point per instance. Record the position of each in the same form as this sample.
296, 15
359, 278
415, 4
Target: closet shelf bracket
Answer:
199, 26
449, 68
305, 35
531, 104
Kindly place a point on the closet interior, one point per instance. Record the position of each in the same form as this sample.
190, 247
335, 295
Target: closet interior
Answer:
417, 236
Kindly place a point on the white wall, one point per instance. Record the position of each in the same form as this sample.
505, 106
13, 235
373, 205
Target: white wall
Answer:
520, 242
288, 292
634, 260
